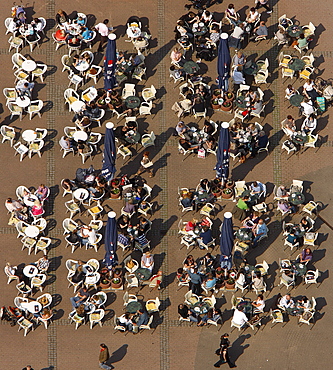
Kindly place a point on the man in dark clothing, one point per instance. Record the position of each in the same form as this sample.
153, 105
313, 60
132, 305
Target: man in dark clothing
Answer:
195, 282
260, 143
103, 357
223, 352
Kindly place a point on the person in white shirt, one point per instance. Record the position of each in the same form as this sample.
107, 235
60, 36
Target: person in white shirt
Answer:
239, 317
241, 278
88, 235
259, 303
309, 124
238, 77
103, 31
147, 261
286, 301
252, 16
125, 321
307, 106
235, 38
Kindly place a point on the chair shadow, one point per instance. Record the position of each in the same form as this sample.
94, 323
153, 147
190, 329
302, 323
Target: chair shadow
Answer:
56, 299
118, 354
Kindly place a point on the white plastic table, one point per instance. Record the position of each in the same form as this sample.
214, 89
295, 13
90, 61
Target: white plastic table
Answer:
30, 271
80, 136
29, 135
23, 101
29, 65
133, 32
31, 231
32, 307
29, 200
81, 194
77, 106
82, 66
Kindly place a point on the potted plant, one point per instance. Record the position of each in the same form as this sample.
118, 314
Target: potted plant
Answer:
216, 93
229, 184
115, 193
215, 103
216, 191
227, 193
226, 106
115, 183
104, 283
116, 282
229, 96
230, 283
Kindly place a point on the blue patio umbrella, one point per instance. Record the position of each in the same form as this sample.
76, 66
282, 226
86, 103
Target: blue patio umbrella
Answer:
222, 154
223, 62
226, 241
110, 153
110, 241
110, 63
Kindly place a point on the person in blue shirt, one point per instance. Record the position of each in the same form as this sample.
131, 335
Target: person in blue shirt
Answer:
205, 237
260, 231
86, 34
195, 282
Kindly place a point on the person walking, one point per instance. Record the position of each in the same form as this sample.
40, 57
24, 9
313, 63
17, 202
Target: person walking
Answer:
223, 352
103, 357
103, 31
146, 164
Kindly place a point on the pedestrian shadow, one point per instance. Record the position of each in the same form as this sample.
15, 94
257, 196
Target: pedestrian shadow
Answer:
237, 349
118, 354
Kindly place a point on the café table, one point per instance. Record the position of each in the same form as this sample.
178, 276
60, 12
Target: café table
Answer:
201, 30
32, 307
133, 32
299, 139
31, 231
29, 135
29, 65
23, 101
133, 138
80, 136
30, 271
300, 269
200, 307
142, 273
82, 66
132, 102
294, 311
74, 29
29, 200
296, 100
294, 31
133, 306
92, 278
296, 64
247, 307
81, 194
242, 102
296, 198
78, 106
191, 67
252, 69
244, 235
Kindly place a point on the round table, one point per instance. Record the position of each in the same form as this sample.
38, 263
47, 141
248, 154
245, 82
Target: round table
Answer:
132, 102
29, 135
299, 139
133, 32
23, 101
241, 103
29, 65
300, 269
142, 273
80, 136
191, 67
296, 100
294, 31
247, 307
30, 271
296, 198
77, 106
202, 30
30, 200
296, 64
32, 307
81, 194
82, 66
252, 69
133, 307
200, 307
31, 231
133, 139
244, 235
92, 279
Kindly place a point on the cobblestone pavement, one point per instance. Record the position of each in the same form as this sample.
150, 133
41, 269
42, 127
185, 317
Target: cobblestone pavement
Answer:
170, 346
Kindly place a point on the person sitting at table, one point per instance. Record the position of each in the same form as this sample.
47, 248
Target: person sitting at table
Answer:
15, 206
290, 91
288, 276
125, 321
256, 188
260, 31
310, 90
258, 281
252, 17
292, 238
187, 199
37, 208
286, 206
60, 35
83, 123
88, 236
45, 314
208, 260
307, 107
86, 33
305, 225
123, 223
281, 36
257, 107
282, 192
239, 59
259, 143
208, 129
286, 302
183, 130
43, 264
305, 256
190, 226
213, 314
10, 270
238, 77
259, 232
232, 14
73, 41
25, 89
80, 297
182, 276
147, 261
182, 107
186, 313
79, 274
234, 40
251, 221
143, 225
177, 57
205, 237
304, 303
42, 192
289, 125
210, 282
241, 279
301, 42
207, 17
189, 263
239, 317
309, 124
242, 203
188, 146
259, 303
182, 30
62, 19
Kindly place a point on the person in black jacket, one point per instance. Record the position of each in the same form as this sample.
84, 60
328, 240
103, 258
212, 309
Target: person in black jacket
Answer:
223, 352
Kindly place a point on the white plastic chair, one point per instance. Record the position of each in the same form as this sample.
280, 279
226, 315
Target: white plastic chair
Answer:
42, 244
39, 71
69, 225
86, 155
96, 317
145, 108
15, 110
149, 93
24, 324
15, 43
34, 108
128, 90
70, 96
57, 42
20, 149
75, 80
148, 139
36, 147
8, 133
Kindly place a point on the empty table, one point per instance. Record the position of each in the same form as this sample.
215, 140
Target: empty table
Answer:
23, 101
32, 307
296, 64
77, 106
296, 100
31, 231
81, 194
29, 135
80, 136
29, 65
30, 271
133, 307
132, 102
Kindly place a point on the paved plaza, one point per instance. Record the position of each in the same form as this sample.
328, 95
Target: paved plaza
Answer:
170, 345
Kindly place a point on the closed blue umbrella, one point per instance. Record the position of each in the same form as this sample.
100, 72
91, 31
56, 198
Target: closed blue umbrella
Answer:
110, 63
222, 154
223, 62
226, 241
110, 241
110, 153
